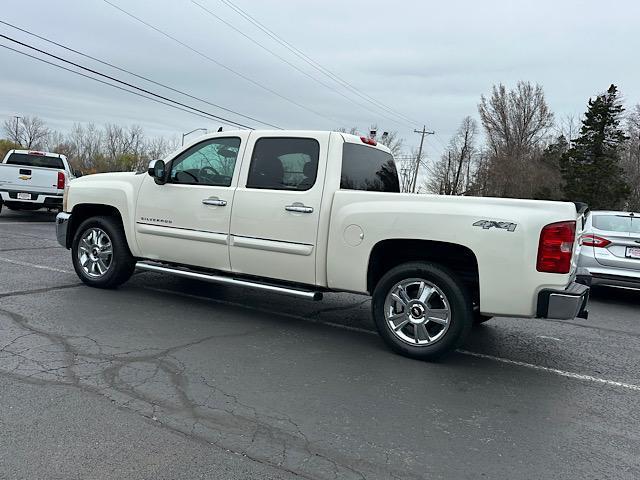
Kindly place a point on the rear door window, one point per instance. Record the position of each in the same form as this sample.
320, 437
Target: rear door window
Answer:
30, 160
284, 164
367, 168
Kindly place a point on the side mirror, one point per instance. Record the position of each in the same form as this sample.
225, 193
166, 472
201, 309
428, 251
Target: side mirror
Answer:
157, 169
77, 173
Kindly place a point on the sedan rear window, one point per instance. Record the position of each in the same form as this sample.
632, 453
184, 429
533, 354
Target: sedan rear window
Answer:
617, 223
29, 160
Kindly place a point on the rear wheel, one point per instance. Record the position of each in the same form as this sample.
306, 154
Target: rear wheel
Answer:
422, 310
100, 253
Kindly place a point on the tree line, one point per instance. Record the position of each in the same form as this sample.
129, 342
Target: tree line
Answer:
89, 148
517, 149
527, 153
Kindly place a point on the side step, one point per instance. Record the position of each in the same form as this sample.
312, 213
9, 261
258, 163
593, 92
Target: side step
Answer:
307, 294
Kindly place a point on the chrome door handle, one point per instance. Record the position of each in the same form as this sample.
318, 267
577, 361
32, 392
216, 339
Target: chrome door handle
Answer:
214, 201
298, 207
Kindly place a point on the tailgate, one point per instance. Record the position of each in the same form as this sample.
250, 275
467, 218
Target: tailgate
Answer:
29, 179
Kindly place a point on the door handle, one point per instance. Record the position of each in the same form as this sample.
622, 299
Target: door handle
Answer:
298, 207
214, 201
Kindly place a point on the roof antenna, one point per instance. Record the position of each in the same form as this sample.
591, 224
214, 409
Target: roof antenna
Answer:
219, 129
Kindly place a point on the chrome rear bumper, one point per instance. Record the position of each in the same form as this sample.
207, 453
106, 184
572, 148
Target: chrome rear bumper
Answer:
565, 304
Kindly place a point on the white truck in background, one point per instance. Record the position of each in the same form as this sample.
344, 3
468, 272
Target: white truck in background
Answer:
308, 212
31, 180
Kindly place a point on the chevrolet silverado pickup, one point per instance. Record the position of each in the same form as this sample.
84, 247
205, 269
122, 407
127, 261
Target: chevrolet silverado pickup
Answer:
30, 180
306, 212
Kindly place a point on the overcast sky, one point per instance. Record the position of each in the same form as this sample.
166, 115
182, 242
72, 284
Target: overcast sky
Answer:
429, 61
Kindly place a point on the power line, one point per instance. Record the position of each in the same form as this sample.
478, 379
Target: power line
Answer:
220, 64
130, 85
292, 65
137, 75
313, 63
105, 83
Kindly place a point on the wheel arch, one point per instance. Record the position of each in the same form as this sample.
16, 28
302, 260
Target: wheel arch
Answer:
83, 211
390, 253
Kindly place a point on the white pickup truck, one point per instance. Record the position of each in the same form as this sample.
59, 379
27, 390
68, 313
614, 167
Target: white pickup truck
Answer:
307, 212
30, 180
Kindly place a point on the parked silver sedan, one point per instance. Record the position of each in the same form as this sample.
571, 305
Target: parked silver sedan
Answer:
610, 249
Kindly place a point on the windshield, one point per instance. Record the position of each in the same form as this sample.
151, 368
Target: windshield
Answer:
29, 160
617, 223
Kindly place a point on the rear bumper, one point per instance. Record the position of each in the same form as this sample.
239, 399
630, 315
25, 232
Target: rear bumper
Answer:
565, 304
62, 228
46, 199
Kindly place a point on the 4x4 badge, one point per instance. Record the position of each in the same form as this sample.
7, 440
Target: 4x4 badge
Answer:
487, 224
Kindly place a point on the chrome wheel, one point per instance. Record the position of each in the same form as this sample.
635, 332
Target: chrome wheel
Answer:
417, 312
95, 252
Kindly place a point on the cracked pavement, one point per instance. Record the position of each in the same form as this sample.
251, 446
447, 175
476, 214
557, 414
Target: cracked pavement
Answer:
172, 378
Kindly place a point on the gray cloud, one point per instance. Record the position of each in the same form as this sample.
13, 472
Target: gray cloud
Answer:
429, 60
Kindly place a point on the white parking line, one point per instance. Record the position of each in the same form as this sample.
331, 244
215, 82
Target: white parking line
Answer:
562, 373
33, 265
555, 371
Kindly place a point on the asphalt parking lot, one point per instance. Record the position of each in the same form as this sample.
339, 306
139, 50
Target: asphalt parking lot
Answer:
169, 378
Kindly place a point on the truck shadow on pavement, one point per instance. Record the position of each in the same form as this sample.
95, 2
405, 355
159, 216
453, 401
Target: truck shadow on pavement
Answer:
616, 296
27, 216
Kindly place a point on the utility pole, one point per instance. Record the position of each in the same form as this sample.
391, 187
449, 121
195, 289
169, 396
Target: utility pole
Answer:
423, 132
16, 138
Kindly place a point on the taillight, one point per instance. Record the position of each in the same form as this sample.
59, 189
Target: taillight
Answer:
556, 247
61, 180
591, 240
369, 141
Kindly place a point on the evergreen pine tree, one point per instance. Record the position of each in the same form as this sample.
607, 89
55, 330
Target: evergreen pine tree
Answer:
591, 168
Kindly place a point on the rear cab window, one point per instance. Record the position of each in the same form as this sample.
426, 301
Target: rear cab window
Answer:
35, 160
368, 168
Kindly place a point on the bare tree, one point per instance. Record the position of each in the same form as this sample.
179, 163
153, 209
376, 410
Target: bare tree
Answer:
451, 175
33, 133
631, 158
516, 124
13, 129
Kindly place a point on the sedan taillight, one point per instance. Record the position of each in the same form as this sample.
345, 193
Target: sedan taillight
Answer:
591, 240
556, 247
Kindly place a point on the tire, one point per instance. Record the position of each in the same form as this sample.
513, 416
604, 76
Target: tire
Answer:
91, 260
444, 296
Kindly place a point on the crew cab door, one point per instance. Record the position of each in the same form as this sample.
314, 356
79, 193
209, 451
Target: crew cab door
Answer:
186, 220
274, 226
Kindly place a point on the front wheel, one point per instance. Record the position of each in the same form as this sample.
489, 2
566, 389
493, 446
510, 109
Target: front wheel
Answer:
422, 310
100, 253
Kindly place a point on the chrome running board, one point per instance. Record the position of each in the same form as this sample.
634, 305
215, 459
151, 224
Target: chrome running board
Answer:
307, 294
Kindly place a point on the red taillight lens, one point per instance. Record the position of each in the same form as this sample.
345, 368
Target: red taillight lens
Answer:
369, 141
594, 241
556, 247
61, 180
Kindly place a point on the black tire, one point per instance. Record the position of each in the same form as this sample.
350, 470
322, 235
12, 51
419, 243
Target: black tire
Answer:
459, 300
121, 265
